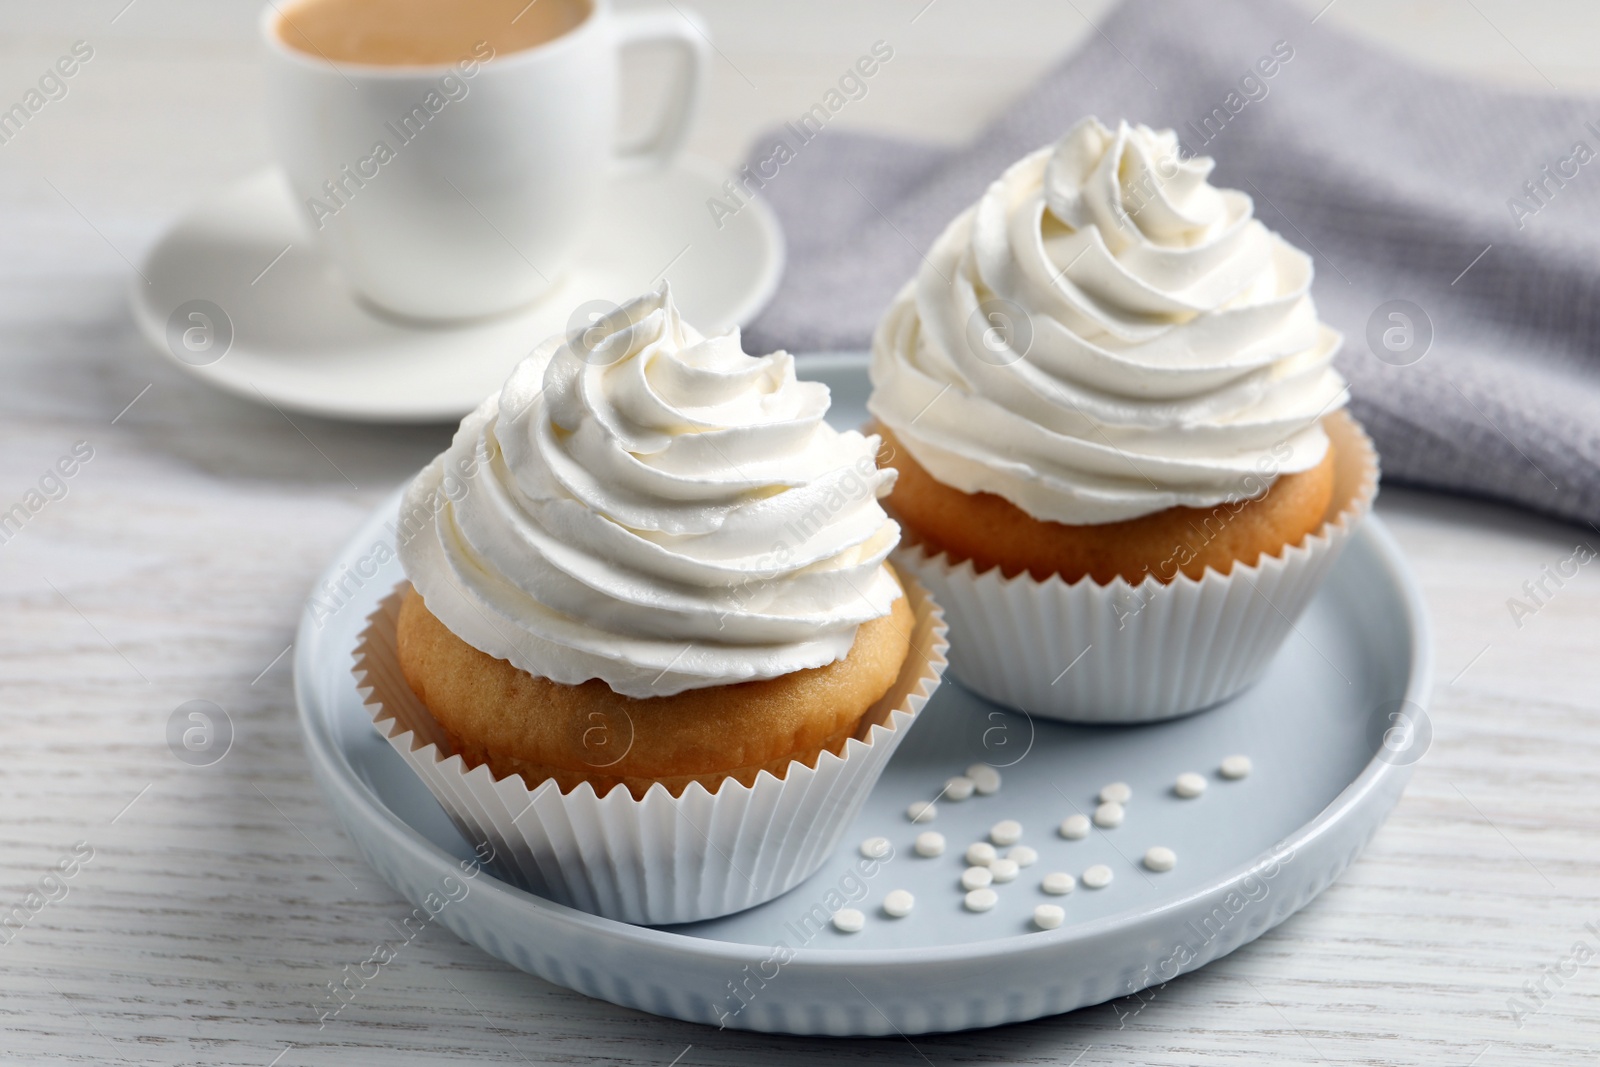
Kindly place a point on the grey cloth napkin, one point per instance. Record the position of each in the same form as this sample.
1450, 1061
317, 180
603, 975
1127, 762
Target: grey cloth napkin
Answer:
1405, 185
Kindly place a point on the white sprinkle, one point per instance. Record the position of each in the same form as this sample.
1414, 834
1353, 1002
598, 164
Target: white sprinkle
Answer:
1058, 883
875, 848
1116, 793
1160, 858
922, 811
976, 878
985, 779
1097, 877
898, 904
959, 788
1022, 856
981, 899
1109, 815
1236, 766
848, 920
1004, 870
980, 854
1006, 832
1049, 916
930, 843
1189, 785
1075, 827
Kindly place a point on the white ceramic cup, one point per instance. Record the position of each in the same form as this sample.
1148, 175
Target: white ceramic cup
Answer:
489, 168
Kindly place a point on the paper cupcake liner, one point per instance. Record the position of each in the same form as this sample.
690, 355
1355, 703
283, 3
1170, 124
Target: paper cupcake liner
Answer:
1123, 653
660, 859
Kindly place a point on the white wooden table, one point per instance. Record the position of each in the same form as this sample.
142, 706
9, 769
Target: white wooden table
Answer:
220, 900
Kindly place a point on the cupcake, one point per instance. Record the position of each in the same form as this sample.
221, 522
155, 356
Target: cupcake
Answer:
650, 623
1124, 464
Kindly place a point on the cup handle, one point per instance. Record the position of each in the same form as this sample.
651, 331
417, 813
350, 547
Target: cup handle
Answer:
686, 32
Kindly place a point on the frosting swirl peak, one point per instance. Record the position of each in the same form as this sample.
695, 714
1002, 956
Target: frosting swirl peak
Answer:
653, 508
1105, 335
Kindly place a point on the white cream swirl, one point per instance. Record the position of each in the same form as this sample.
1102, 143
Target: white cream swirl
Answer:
1105, 335
664, 513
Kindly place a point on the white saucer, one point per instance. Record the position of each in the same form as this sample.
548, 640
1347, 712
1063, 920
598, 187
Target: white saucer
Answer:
290, 331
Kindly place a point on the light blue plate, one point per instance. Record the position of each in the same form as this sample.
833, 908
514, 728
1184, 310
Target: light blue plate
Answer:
1333, 729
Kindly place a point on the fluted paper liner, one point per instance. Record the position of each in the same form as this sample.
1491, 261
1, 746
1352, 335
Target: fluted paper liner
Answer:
1122, 653
660, 859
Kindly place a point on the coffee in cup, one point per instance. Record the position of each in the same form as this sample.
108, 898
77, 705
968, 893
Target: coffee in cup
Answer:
422, 33
448, 157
